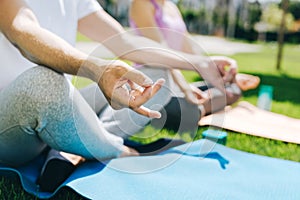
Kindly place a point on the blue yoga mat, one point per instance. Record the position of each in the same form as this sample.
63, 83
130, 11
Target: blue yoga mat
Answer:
198, 170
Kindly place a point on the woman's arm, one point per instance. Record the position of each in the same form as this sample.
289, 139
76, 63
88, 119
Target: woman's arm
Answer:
227, 74
143, 15
101, 27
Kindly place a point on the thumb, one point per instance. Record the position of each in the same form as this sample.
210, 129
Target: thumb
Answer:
190, 97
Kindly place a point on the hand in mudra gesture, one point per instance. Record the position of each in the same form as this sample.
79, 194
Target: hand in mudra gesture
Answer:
125, 87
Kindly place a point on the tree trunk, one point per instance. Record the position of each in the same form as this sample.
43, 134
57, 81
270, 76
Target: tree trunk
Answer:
280, 38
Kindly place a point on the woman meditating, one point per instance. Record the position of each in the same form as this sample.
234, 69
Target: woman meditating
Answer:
161, 21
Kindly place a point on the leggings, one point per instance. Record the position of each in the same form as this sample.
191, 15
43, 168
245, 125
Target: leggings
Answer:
41, 108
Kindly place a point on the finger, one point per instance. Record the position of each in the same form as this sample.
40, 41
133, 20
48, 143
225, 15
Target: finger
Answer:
233, 69
229, 94
120, 98
202, 95
147, 112
190, 97
230, 73
148, 92
131, 84
135, 87
138, 78
221, 67
228, 77
198, 93
157, 85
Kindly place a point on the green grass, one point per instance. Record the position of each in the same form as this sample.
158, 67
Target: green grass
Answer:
286, 101
286, 83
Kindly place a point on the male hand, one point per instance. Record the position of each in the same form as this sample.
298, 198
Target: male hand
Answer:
125, 87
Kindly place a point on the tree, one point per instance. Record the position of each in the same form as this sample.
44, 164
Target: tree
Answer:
254, 14
285, 5
273, 16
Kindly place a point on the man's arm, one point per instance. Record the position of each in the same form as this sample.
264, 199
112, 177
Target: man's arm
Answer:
19, 24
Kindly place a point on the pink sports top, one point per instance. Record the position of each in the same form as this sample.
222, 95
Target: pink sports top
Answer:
172, 29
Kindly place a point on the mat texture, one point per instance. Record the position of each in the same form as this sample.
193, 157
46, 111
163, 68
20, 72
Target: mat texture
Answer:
246, 118
199, 170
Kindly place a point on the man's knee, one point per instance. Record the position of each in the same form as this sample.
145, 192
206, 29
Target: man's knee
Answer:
37, 92
42, 84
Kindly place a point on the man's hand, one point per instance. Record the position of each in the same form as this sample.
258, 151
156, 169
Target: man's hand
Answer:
125, 87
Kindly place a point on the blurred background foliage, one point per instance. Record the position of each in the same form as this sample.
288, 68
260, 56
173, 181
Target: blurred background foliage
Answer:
249, 20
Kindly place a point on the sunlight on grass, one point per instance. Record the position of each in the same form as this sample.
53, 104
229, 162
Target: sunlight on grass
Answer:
264, 62
286, 100
80, 82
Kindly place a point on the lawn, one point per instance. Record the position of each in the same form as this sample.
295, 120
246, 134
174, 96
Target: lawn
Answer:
286, 101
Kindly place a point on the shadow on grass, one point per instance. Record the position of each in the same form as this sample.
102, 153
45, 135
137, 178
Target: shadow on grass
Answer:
284, 88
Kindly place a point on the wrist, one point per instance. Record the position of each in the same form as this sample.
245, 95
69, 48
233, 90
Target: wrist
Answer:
203, 64
93, 69
186, 90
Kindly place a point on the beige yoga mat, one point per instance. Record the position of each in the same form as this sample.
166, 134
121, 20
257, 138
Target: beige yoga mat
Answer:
246, 118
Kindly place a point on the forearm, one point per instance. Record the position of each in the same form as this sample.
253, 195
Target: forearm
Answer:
42, 47
145, 51
101, 27
187, 46
180, 80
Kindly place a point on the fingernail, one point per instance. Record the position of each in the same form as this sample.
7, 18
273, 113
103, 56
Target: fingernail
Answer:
148, 82
161, 81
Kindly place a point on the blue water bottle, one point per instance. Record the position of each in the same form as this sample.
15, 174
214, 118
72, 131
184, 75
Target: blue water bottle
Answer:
265, 97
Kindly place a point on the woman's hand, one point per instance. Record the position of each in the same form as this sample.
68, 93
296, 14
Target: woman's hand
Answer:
195, 96
125, 87
227, 67
218, 71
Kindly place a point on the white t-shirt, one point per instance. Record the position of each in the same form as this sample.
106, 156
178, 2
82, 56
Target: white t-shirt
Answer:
57, 16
